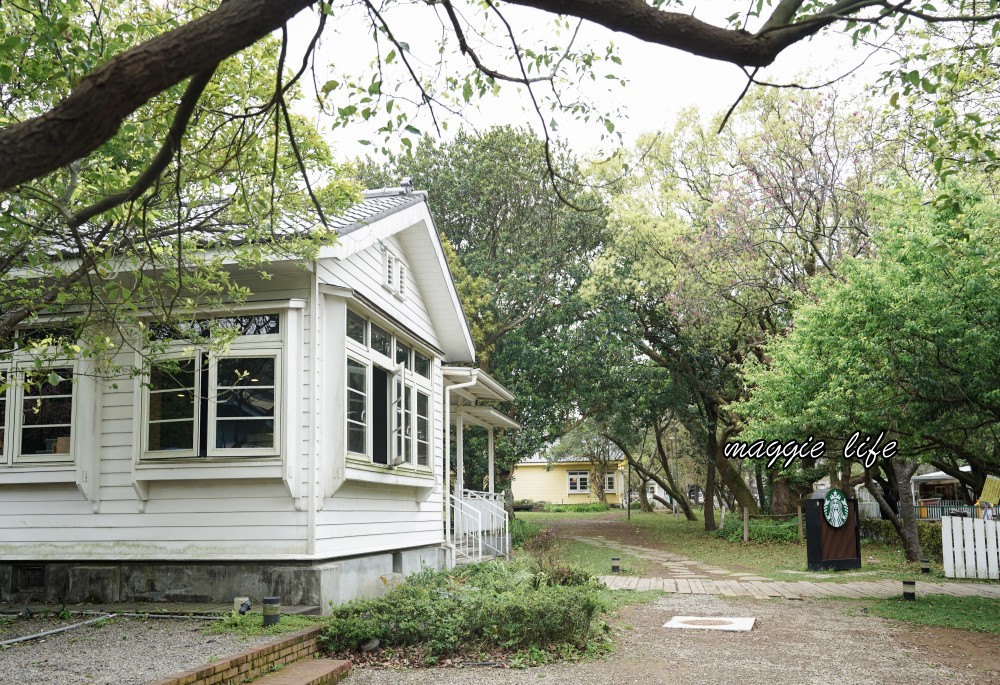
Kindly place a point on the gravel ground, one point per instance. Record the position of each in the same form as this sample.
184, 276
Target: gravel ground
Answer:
122, 651
792, 643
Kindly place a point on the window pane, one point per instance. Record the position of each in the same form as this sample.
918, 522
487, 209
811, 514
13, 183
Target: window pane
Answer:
45, 440
422, 454
37, 382
381, 341
250, 402
244, 434
169, 375
253, 324
171, 404
422, 429
356, 327
403, 355
422, 365
246, 371
172, 435
48, 411
356, 438
356, 376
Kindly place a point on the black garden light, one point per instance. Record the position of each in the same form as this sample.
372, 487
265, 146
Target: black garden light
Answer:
616, 565
910, 590
272, 610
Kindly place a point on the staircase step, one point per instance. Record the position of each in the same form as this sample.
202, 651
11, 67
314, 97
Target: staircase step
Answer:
308, 672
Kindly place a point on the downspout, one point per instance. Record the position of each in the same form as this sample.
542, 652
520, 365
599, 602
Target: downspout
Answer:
447, 446
312, 460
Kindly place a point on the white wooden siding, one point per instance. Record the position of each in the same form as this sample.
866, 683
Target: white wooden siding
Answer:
249, 518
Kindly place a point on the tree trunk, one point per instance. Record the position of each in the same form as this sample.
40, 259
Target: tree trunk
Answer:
710, 499
759, 477
898, 476
644, 504
781, 495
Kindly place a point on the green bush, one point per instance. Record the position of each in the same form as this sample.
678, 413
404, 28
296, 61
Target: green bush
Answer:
882, 530
564, 508
761, 530
522, 531
473, 606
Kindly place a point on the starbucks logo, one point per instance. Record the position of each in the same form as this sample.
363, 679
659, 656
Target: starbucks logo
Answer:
835, 508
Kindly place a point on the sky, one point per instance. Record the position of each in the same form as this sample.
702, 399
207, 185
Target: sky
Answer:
660, 81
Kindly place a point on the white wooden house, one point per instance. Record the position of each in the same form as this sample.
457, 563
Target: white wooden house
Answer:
305, 462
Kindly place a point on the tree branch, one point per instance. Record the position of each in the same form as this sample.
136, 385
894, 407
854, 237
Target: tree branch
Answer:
96, 108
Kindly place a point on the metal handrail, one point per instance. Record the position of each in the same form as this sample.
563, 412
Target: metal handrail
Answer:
499, 520
467, 526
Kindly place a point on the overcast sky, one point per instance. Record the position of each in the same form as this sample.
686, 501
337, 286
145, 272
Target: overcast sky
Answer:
661, 81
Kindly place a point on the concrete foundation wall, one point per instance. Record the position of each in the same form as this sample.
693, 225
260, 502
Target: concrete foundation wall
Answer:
320, 583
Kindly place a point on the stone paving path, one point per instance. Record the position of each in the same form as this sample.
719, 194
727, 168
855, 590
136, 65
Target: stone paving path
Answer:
689, 577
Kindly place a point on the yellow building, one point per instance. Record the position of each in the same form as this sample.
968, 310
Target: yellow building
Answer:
567, 481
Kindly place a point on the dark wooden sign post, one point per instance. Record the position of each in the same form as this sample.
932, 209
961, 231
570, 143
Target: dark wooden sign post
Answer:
833, 536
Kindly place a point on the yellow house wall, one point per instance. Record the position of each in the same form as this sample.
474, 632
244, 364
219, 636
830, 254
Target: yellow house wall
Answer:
537, 483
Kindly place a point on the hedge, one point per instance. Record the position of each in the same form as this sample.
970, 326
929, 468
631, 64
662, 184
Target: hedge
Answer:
882, 530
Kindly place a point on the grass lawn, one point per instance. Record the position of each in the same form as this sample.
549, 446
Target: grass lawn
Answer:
778, 561
597, 560
978, 614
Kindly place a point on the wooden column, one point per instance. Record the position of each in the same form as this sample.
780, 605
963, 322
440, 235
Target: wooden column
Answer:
459, 456
489, 455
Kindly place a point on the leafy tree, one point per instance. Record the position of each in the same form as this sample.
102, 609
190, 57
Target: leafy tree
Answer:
903, 343
106, 93
146, 224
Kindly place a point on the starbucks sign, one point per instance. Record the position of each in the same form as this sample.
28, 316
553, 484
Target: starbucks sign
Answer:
835, 507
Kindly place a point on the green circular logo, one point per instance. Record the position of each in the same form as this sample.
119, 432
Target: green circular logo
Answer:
835, 509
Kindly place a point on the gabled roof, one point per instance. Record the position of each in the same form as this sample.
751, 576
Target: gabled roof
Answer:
404, 212
376, 205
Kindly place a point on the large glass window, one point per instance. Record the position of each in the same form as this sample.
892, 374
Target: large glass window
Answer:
388, 418
579, 481
244, 402
206, 405
47, 412
357, 403
171, 424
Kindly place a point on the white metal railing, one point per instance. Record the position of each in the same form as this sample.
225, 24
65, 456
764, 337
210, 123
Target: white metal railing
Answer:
465, 536
494, 530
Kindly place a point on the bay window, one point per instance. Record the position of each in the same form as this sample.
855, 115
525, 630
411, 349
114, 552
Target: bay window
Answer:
388, 420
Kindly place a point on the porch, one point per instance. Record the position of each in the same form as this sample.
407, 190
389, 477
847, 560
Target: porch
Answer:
476, 523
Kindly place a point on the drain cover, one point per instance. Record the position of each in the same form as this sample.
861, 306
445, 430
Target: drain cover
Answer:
738, 625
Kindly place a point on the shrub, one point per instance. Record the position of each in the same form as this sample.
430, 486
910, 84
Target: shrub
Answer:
761, 530
522, 531
474, 606
882, 530
563, 508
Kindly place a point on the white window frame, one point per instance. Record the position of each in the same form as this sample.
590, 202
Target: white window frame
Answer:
609, 478
14, 422
266, 345
398, 373
582, 482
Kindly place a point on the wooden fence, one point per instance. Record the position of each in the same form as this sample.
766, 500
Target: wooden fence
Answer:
970, 547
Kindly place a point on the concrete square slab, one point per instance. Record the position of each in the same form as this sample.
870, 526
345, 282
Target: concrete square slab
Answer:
736, 625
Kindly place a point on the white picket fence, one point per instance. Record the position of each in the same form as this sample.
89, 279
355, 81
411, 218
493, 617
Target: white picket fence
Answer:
970, 547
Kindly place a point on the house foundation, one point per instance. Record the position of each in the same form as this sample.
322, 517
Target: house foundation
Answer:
323, 583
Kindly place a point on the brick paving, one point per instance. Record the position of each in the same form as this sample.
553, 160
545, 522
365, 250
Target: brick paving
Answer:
689, 577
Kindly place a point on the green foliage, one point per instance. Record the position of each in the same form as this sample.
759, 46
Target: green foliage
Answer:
579, 508
881, 530
226, 198
522, 531
252, 624
761, 530
977, 614
479, 605
904, 340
